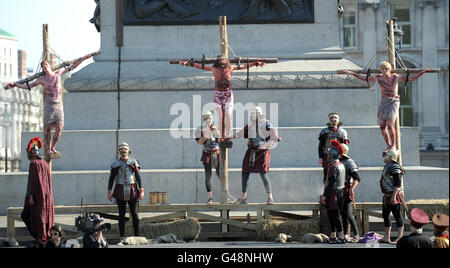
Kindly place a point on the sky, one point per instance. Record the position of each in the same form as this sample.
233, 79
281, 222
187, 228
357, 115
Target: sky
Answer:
71, 35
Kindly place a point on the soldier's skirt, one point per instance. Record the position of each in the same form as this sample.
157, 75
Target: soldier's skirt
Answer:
261, 162
119, 195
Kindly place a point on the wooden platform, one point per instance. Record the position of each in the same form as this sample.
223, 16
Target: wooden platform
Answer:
176, 211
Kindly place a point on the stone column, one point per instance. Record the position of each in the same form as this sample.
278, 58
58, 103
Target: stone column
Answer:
368, 17
429, 101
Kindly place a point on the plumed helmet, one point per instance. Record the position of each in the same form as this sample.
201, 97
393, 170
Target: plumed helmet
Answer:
206, 115
335, 148
34, 145
345, 148
391, 155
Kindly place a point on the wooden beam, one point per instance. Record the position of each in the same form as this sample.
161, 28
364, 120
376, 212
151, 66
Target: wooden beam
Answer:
223, 36
10, 223
234, 60
288, 215
59, 66
224, 220
397, 71
164, 217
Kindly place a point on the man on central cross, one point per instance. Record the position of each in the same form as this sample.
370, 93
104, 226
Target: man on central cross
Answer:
223, 94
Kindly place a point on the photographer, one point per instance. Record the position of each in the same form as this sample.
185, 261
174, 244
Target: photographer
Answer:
93, 237
56, 235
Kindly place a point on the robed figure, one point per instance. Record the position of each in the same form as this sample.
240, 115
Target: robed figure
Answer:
38, 211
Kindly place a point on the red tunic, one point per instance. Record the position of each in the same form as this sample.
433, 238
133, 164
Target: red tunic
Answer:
262, 162
40, 217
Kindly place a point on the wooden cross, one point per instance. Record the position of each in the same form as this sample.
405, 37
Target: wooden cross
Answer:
223, 165
392, 60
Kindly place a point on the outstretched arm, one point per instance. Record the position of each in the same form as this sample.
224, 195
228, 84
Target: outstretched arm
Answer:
360, 77
196, 65
415, 77
24, 86
75, 64
251, 64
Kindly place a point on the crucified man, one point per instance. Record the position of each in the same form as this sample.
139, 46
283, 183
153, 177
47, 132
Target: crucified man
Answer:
390, 100
53, 104
223, 94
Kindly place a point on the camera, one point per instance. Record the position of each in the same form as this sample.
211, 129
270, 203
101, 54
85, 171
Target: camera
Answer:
91, 223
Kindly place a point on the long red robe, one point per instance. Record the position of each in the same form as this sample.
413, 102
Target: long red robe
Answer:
40, 217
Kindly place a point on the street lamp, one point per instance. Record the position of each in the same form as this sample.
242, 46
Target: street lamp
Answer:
398, 34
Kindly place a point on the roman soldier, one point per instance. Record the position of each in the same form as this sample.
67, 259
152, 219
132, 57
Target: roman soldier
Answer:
332, 197
208, 136
332, 132
440, 222
38, 211
419, 218
393, 198
128, 187
352, 179
262, 136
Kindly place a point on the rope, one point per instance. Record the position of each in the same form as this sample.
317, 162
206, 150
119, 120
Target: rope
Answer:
54, 53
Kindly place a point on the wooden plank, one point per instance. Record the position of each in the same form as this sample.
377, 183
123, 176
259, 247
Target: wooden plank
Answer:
316, 215
223, 220
288, 215
365, 221
259, 216
164, 217
397, 71
235, 60
224, 214
10, 223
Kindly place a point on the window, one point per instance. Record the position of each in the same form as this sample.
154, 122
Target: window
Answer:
10, 70
402, 12
406, 104
4, 70
349, 27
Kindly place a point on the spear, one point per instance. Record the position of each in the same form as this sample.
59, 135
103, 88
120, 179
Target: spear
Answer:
59, 66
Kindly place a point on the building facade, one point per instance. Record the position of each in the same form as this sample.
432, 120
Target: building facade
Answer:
425, 44
20, 110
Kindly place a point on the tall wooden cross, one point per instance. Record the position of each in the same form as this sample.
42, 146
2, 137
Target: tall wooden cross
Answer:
225, 195
392, 60
46, 57
391, 50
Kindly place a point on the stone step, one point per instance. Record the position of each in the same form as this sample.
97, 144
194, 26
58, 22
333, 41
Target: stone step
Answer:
162, 108
188, 185
157, 148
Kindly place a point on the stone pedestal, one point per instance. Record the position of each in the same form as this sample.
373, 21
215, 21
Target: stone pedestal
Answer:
161, 104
